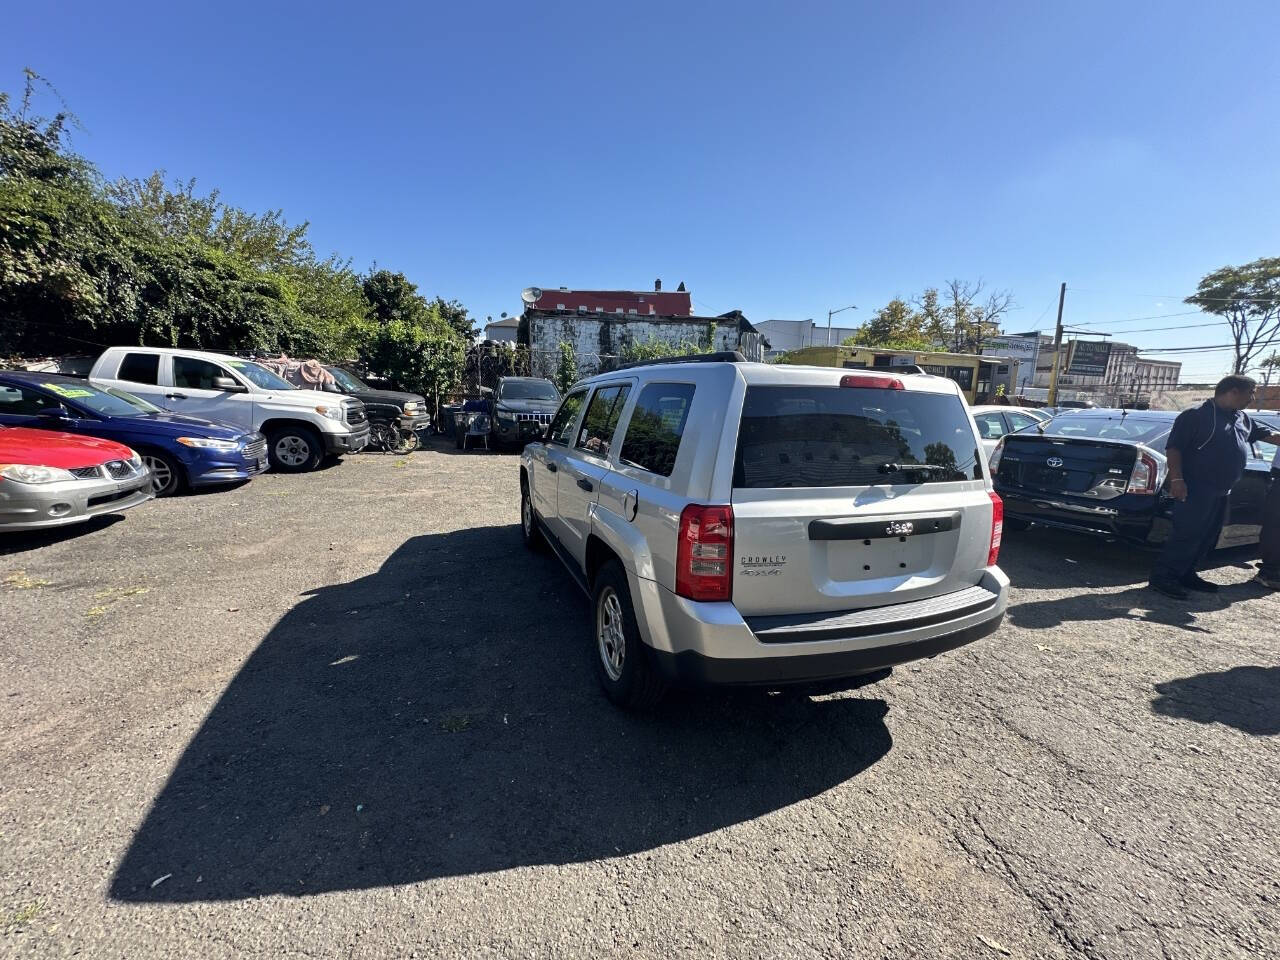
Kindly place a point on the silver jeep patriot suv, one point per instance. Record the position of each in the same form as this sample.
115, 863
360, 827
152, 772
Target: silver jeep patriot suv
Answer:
745, 523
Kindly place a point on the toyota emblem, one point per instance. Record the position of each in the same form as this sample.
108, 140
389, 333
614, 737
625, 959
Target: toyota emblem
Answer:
1054, 461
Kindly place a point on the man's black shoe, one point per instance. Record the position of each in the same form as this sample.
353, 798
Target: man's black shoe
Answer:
1193, 581
1169, 589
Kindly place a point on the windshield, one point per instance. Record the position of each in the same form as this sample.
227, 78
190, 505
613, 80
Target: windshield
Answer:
527, 390
852, 437
346, 381
260, 376
91, 398
1134, 429
133, 401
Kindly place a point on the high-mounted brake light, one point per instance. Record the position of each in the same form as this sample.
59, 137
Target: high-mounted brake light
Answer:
704, 553
871, 383
997, 528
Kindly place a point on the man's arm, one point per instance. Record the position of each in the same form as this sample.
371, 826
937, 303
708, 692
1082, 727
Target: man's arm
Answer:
1177, 485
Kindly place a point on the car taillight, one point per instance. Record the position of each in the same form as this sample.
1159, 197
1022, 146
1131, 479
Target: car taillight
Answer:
704, 554
1144, 475
993, 462
871, 382
997, 528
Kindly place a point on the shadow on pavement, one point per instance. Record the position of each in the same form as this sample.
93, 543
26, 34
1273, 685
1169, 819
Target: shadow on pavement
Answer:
441, 717
1138, 603
1247, 698
20, 541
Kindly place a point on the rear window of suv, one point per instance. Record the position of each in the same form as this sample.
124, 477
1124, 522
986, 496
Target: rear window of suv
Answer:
657, 424
803, 436
140, 368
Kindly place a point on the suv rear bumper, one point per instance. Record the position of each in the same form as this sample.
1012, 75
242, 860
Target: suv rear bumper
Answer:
712, 643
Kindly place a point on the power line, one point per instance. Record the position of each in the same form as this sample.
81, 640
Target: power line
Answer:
1156, 316
1179, 296
1185, 326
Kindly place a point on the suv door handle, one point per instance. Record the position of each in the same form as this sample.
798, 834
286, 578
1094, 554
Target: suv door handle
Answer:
175, 396
552, 467
585, 484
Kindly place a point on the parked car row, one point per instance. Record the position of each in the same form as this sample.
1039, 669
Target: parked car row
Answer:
153, 422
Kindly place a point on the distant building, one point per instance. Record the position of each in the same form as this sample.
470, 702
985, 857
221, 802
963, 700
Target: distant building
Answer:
784, 335
600, 324
504, 330
634, 303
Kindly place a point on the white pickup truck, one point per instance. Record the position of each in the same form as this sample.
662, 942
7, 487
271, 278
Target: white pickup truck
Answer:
301, 426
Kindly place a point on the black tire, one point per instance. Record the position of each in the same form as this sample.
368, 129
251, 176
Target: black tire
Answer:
638, 685
530, 532
457, 436
294, 449
1017, 524
168, 477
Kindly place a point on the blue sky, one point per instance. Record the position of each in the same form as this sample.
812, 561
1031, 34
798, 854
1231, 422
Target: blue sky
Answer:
783, 159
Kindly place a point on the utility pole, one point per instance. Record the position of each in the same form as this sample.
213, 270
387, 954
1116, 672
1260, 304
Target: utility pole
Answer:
830, 314
1057, 349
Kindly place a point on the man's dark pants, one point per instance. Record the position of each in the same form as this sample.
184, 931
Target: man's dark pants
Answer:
1197, 524
1271, 530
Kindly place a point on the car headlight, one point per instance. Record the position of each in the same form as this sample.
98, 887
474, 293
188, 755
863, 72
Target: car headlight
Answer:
333, 413
136, 459
411, 407
208, 443
30, 473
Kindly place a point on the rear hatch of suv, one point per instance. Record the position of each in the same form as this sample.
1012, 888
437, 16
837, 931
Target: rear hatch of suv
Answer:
853, 492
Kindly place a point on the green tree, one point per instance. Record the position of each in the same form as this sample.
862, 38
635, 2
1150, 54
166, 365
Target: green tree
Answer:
455, 315
566, 367
1248, 299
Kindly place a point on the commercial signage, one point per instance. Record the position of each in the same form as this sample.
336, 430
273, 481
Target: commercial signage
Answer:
1088, 358
1016, 348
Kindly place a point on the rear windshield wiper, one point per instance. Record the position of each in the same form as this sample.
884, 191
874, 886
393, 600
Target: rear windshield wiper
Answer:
911, 467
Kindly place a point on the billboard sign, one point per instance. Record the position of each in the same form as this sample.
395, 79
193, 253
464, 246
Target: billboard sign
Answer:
1088, 358
1016, 348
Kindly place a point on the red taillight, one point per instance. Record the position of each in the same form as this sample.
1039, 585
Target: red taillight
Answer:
1145, 474
871, 383
997, 528
704, 554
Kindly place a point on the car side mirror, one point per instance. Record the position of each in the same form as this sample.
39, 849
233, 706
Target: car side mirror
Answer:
228, 385
52, 413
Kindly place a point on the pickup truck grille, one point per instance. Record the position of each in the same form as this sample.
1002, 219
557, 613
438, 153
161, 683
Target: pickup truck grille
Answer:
542, 418
255, 447
356, 414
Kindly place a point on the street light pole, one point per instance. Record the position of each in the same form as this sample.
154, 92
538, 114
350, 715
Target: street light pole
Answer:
830, 314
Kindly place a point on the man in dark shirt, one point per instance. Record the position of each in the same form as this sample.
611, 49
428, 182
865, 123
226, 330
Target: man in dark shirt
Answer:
1207, 450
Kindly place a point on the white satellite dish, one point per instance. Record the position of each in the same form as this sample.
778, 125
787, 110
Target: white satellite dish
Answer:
531, 295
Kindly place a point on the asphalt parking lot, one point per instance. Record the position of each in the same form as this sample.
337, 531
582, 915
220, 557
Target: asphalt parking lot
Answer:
345, 714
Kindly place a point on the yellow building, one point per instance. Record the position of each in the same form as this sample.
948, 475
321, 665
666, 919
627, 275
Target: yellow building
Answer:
977, 376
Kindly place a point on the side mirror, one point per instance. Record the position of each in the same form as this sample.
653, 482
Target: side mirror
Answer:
52, 413
228, 385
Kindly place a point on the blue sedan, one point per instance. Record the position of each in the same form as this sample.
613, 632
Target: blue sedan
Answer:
181, 451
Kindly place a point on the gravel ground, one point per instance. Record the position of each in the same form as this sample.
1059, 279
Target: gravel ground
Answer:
347, 715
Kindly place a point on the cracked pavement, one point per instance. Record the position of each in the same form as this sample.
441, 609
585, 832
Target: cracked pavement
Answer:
346, 715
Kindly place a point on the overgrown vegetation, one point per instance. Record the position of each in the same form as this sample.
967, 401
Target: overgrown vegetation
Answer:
85, 264
959, 319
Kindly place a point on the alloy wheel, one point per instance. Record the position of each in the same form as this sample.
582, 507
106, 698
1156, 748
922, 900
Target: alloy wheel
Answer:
292, 450
161, 475
610, 638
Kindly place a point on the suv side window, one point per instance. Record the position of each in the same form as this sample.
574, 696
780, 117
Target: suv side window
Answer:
196, 374
140, 368
657, 424
564, 419
602, 419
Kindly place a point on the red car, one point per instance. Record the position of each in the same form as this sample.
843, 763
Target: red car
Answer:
50, 479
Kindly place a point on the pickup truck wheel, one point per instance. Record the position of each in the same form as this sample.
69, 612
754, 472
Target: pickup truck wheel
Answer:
528, 522
626, 671
294, 449
167, 478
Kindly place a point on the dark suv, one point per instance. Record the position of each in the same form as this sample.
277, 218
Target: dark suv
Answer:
406, 410
522, 408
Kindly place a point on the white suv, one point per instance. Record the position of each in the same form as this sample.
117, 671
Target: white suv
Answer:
740, 522
301, 426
